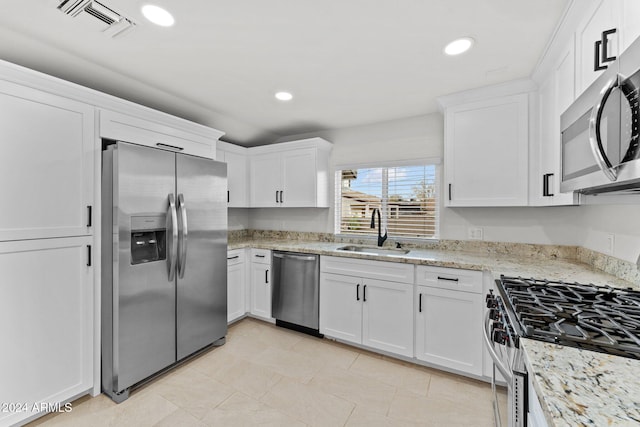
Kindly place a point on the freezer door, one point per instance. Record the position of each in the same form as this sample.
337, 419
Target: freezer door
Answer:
143, 296
201, 290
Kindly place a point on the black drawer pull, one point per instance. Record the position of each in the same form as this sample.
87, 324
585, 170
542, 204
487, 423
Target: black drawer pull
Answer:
259, 256
234, 257
448, 278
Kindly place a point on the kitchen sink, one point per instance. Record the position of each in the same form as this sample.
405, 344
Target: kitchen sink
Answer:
374, 250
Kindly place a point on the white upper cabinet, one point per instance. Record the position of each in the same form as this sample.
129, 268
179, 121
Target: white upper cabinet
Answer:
46, 166
291, 174
601, 17
155, 130
555, 94
629, 14
237, 173
486, 150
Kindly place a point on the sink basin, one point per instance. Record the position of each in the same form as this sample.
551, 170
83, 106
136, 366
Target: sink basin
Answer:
375, 250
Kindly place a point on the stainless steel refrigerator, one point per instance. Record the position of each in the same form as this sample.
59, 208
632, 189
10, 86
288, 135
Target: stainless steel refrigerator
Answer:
164, 263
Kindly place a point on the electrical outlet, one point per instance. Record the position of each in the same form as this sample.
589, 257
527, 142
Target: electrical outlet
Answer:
610, 244
474, 233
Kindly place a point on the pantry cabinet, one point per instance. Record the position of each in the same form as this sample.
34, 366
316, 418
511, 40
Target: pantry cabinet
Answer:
486, 149
357, 306
46, 323
236, 284
237, 173
261, 283
47, 165
291, 174
449, 303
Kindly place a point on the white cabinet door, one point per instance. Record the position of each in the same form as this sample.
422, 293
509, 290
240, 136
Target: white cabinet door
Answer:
630, 16
261, 290
266, 180
600, 18
236, 284
46, 166
299, 178
387, 316
237, 184
46, 322
449, 329
486, 152
341, 307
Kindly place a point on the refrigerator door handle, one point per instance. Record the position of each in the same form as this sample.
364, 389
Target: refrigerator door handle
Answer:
182, 237
172, 233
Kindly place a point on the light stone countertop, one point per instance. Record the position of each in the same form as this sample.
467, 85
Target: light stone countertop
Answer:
575, 387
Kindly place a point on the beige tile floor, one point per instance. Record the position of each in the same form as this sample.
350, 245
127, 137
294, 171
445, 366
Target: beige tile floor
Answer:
269, 376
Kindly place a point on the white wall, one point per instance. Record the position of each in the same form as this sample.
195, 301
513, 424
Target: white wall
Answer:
422, 136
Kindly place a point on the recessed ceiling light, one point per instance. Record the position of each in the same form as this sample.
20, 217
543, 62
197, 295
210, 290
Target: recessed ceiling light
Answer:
459, 46
157, 15
284, 96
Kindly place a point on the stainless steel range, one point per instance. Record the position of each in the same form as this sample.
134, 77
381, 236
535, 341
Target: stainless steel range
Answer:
586, 316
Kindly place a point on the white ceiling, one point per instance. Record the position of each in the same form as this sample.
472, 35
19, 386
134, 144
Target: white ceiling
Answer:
347, 62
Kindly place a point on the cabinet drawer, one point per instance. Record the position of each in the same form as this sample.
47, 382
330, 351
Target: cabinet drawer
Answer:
235, 256
391, 271
449, 278
261, 256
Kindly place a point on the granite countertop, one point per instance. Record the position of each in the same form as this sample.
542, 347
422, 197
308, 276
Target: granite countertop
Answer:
575, 387
509, 265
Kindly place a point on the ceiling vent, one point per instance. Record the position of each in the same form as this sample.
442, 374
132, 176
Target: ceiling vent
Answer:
110, 22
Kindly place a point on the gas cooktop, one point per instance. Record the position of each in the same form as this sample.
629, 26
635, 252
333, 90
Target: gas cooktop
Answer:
597, 318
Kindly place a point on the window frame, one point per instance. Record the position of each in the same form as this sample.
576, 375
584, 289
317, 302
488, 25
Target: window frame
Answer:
337, 206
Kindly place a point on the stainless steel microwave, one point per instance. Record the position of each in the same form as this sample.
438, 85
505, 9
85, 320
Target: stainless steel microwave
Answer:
600, 151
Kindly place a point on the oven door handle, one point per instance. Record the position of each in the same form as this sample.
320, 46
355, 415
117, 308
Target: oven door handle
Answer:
492, 351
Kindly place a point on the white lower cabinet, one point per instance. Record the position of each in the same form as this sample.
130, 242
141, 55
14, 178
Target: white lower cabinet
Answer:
364, 310
449, 310
236, 284
46, 324
387, 316
261, 283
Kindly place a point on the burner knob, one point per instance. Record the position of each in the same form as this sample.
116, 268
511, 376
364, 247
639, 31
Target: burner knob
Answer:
491, 300
500, 336
494, 314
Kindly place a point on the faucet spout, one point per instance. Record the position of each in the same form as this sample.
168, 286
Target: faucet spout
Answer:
381, 238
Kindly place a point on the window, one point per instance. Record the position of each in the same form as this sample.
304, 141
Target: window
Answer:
407, 197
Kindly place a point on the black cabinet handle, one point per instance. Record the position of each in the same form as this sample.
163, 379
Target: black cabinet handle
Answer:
449, 192
259, 256
419, 303
88, 255
89, 215
281, 196
602, 45
266, 276
545, 185
277, 201
171, 147
448, 278
358, 292
228, 197
364, 293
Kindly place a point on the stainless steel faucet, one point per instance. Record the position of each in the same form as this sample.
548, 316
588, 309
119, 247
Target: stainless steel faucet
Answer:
381, 238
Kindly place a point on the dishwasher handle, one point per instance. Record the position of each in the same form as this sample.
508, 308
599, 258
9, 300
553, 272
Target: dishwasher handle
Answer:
294, 256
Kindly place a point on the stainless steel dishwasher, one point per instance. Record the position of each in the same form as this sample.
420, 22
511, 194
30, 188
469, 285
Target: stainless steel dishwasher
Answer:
295, 299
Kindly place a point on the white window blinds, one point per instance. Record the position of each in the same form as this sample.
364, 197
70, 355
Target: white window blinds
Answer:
407, 197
